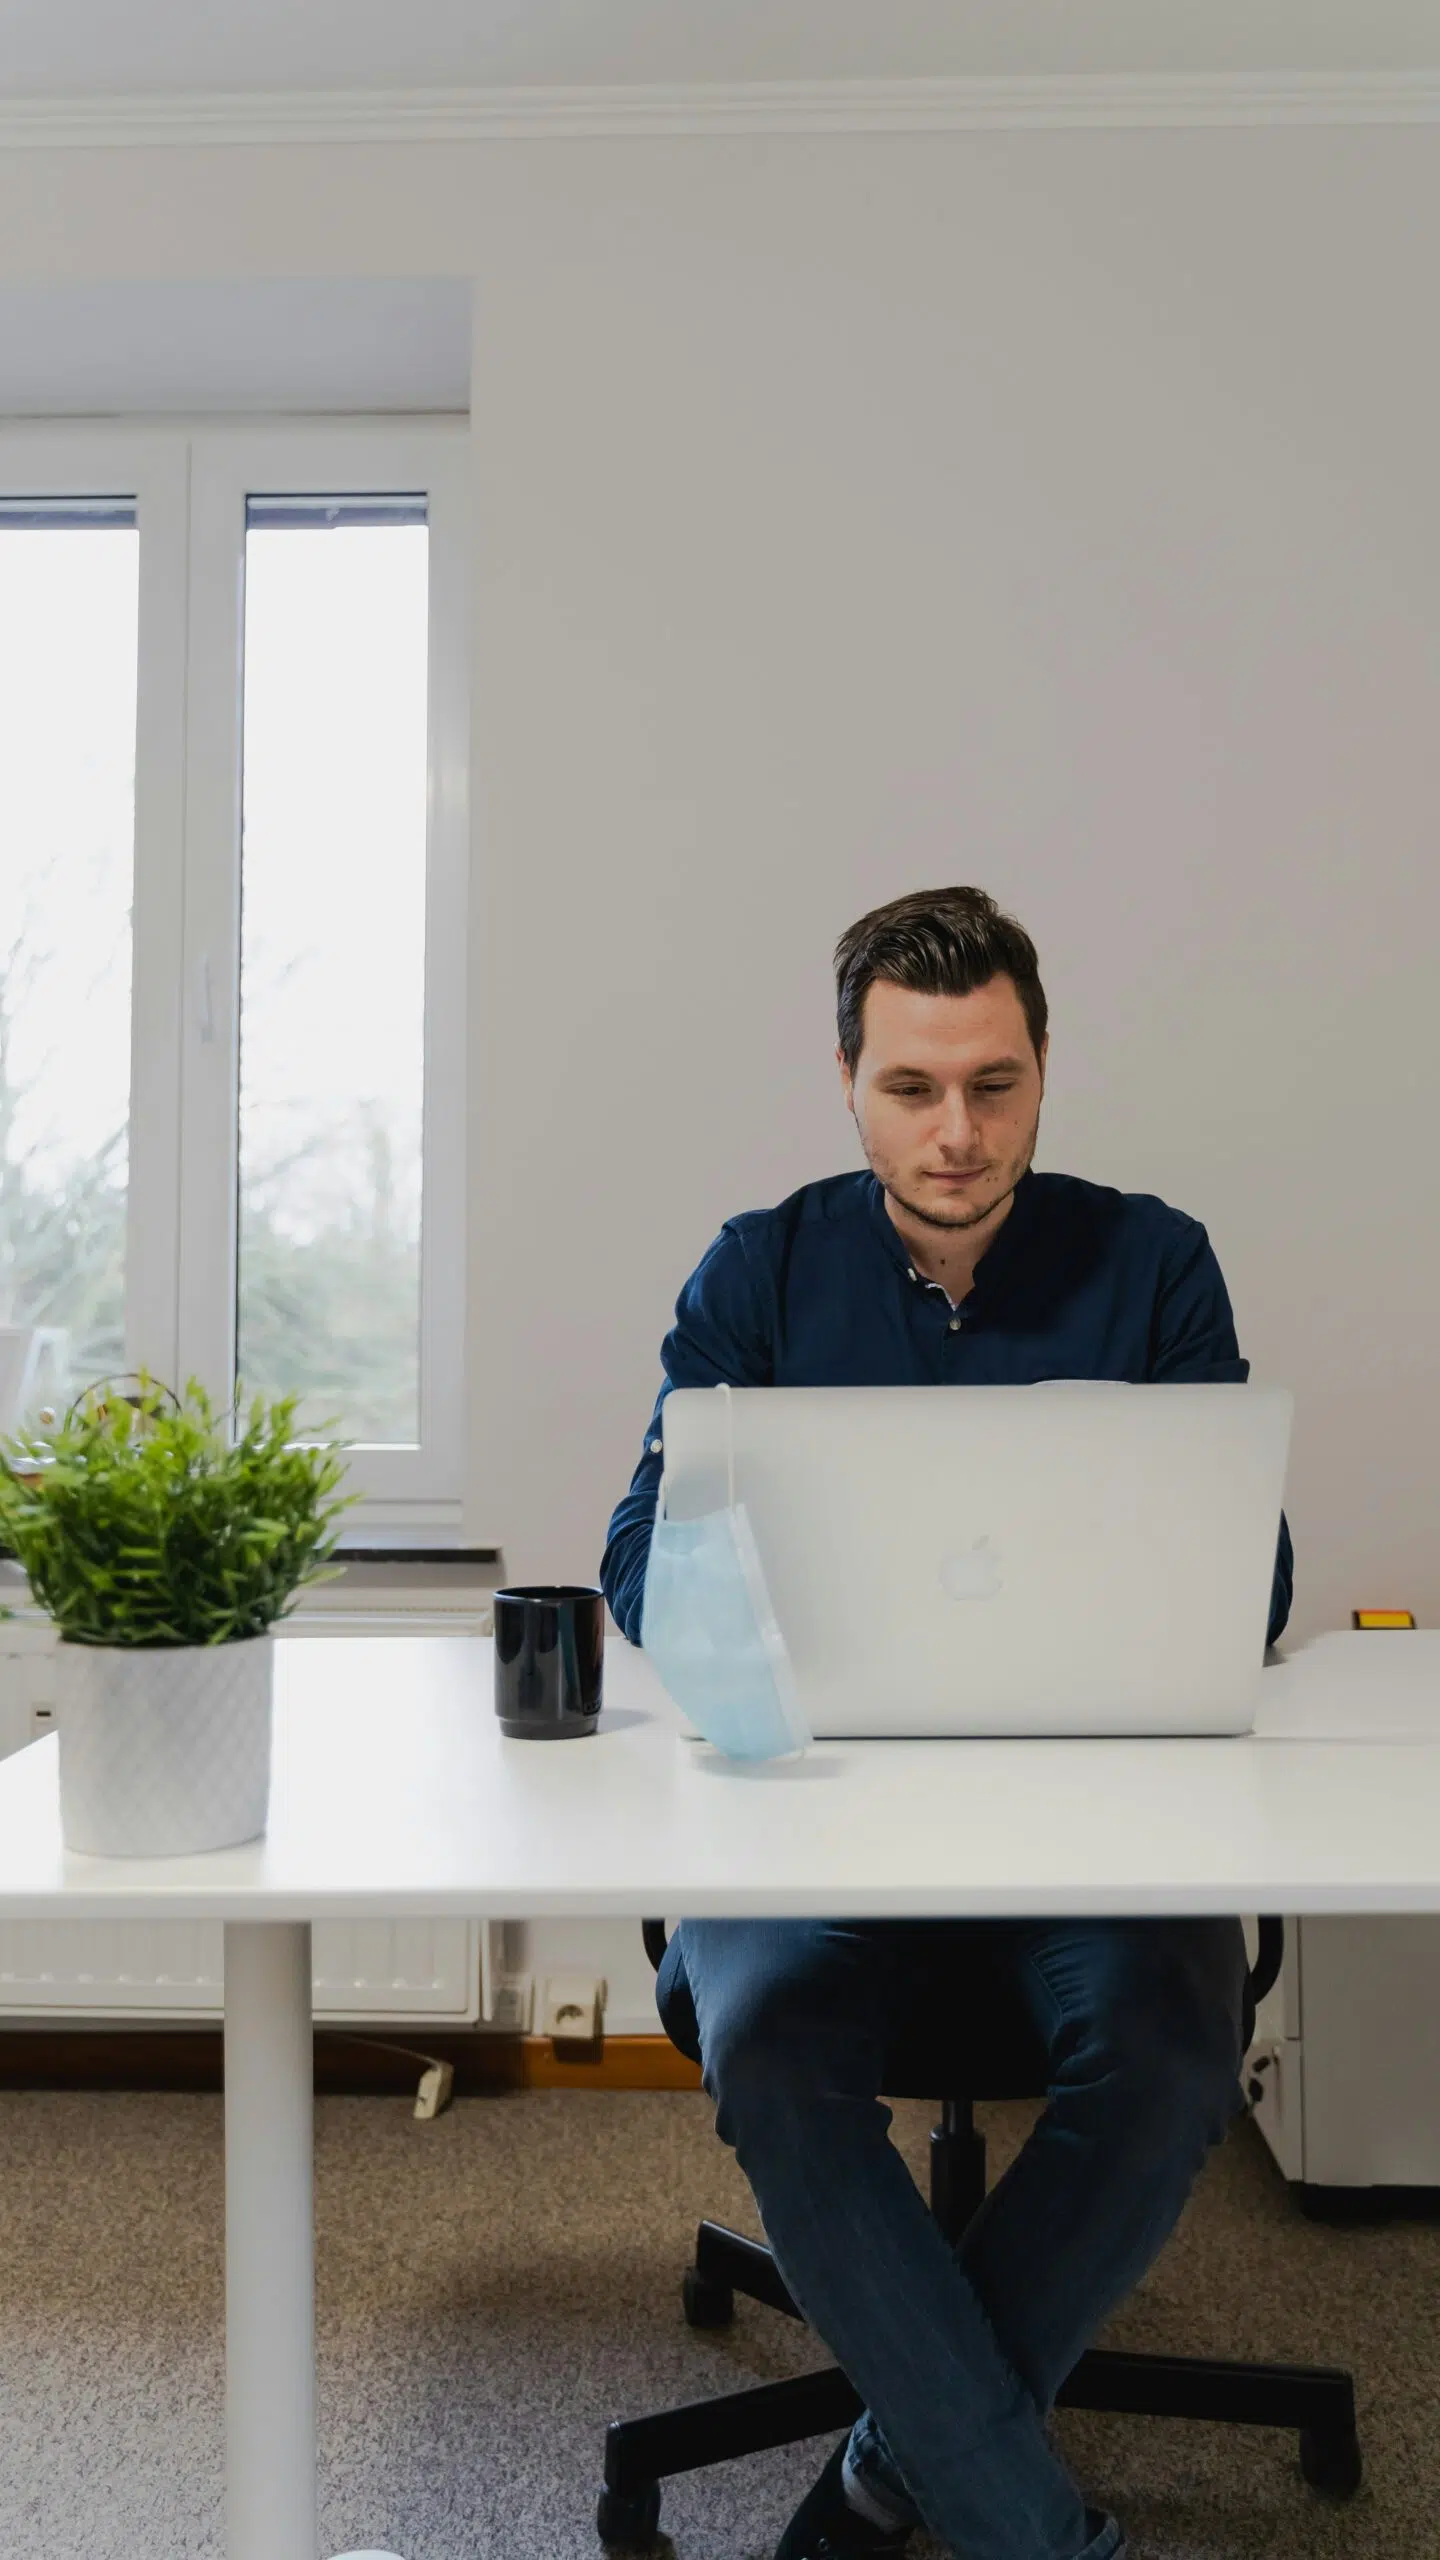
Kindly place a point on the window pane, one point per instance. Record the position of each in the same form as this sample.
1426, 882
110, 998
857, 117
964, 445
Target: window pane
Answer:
69, 571
332, 984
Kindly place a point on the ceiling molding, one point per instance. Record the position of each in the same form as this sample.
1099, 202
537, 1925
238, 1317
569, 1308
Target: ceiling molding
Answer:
1080, 101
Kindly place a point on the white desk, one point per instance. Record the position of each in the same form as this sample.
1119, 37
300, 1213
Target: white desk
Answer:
394, 1794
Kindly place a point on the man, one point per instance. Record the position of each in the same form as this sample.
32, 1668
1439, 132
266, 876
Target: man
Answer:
951, 1263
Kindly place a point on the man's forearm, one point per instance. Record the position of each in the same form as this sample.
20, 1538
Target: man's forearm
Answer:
627, 1552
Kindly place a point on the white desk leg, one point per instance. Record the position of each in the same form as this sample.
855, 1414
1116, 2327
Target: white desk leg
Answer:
270, 2245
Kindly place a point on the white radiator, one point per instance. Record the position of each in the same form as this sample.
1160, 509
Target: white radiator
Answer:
173, 1969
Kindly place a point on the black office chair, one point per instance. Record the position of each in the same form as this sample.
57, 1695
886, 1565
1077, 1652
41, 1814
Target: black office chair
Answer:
641, 2452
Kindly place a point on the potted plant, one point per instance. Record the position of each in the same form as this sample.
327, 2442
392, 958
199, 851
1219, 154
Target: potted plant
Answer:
165, 1551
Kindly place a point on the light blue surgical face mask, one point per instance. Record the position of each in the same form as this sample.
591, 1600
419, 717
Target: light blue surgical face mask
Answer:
711, 1632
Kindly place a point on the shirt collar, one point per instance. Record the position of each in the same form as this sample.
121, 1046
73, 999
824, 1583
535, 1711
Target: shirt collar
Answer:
997, 1258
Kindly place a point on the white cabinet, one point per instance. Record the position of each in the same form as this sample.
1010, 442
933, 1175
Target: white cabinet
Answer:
1347, 2055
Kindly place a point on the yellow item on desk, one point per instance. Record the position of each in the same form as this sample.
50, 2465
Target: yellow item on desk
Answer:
1367, 1619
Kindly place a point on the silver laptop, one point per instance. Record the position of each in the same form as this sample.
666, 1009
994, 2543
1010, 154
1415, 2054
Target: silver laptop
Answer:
1068, 1558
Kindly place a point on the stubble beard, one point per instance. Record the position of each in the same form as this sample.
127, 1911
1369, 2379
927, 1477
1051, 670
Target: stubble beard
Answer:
957, 1221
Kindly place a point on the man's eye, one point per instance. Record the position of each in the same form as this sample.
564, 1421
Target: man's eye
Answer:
1007, 1087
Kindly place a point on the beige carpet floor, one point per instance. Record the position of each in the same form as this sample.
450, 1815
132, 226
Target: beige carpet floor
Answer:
495, 2286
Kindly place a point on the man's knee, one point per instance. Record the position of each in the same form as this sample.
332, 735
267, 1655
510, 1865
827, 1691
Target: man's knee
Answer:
764, 2034
1162, 2039
1183, 2080
675, 2001
755, 2046
781, 2013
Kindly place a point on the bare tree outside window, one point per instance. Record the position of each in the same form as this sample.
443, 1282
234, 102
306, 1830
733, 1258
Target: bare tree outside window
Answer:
332, 1027
333, 941
68, 604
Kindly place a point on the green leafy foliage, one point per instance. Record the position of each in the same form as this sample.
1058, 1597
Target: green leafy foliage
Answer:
141, 1521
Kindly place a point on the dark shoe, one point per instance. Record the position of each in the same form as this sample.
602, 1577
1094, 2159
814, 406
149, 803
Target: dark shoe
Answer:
826, 2527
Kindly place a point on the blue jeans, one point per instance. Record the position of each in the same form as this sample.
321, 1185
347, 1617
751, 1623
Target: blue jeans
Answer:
1136, 2026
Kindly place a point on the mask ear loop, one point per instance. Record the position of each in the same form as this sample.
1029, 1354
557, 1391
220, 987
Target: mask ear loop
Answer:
723, 1389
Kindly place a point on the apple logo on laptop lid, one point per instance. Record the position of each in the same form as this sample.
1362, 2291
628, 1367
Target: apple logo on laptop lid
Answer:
972, 1573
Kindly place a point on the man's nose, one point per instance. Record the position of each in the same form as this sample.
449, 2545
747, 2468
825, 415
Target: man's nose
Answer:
957, 1128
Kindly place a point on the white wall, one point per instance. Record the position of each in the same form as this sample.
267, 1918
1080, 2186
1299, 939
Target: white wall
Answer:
1051, 510
339, 344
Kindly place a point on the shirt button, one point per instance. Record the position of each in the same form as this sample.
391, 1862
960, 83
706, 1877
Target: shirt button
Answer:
655, 1448
954, 1325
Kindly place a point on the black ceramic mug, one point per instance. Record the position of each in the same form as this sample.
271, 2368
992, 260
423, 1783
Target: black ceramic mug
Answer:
549, 1659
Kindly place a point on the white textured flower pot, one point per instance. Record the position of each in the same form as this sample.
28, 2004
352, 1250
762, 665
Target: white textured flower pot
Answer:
164, 1750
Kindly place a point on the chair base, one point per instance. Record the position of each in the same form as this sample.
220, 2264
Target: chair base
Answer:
1316, 2401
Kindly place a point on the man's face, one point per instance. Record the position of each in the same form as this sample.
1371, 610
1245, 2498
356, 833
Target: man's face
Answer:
946, 1096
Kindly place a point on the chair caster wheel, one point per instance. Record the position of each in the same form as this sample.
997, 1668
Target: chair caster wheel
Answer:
628, 2524
1330, 2460
707, 2305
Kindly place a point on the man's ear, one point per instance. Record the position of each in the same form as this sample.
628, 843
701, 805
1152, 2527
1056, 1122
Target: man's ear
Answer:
1044, 1056
847, 1086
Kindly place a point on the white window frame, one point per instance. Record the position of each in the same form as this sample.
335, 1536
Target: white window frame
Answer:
190, 483
74, 461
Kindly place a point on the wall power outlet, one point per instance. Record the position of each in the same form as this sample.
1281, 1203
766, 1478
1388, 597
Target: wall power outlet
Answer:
572, 2008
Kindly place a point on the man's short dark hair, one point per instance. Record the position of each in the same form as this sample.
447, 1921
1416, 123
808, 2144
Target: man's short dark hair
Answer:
940, 942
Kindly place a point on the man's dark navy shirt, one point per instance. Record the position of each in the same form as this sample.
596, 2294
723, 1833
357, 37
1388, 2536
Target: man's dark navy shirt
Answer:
1080, 1282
